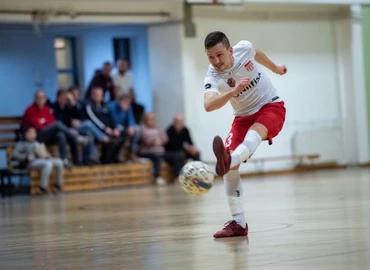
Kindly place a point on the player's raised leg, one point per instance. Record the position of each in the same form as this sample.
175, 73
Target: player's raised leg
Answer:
248, 147
243, 151
268, 122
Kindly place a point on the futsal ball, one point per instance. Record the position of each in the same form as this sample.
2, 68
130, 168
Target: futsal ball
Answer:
196, 178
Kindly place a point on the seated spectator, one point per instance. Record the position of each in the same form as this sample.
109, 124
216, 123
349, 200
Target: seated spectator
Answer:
34, 155
61, 111
137, 109
152, 147
124, 121
74, 97
179, 139
65, 113
49, 131
75, 102
85, 127
98, 113
104, 81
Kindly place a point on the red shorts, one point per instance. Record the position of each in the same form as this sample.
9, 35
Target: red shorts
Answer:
271, 115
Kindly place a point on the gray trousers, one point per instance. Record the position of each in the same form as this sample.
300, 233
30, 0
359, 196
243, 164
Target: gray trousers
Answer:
46, 167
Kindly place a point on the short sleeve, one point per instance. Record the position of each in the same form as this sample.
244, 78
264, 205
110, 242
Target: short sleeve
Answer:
248, 47
211, 85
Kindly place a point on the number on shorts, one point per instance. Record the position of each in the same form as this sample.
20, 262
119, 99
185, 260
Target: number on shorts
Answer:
229, 140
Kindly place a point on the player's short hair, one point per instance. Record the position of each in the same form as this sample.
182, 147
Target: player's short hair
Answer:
213, 38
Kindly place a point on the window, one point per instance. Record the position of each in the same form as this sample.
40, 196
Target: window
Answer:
66, 62
121, 47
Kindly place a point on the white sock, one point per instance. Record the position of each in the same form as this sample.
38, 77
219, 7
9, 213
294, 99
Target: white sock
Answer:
234, 192
246, 149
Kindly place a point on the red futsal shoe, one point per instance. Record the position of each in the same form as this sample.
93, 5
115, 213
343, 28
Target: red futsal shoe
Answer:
232, 229
223, 157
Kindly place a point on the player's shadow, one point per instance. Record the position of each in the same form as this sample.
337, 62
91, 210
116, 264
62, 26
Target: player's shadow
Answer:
236, 244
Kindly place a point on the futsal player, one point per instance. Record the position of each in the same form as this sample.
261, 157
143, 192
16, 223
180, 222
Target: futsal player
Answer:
235, 76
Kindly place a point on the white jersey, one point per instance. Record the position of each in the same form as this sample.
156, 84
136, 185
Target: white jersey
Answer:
252, 98
123, 82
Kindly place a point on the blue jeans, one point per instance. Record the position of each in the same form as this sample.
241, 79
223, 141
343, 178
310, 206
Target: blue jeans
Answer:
134, 140
60, 134
88, 128
90, 152
174, 159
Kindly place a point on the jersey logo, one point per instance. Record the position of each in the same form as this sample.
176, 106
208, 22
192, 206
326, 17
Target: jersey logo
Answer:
253, 84
207, 86
249, 66
231, 82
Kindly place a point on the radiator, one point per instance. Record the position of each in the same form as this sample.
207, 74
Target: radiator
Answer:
326, 141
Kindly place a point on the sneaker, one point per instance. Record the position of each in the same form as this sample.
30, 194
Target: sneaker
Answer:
57, 189
160, 181
41, 191
91, 162
67, 164
134, 158
231, 229
82, 140
223, 157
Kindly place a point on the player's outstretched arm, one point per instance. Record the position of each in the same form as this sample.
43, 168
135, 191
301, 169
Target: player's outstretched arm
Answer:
262, 59
214, 101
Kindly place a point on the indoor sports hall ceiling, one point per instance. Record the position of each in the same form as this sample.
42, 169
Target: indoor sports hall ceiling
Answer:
139, 11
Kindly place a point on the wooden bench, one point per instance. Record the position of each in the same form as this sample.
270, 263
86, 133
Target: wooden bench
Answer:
9, 127
100, 177
95, 177
78, 178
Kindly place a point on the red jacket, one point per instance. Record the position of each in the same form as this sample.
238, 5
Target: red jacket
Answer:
37, 118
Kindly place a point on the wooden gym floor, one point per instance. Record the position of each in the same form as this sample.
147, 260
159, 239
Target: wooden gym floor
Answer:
318, 220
